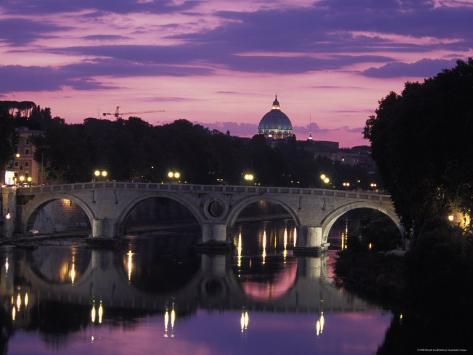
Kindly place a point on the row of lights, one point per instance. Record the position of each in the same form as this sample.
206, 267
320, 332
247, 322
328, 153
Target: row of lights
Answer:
100, 173
17, 303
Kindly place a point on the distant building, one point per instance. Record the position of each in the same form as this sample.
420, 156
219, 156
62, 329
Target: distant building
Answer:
276, 127
23, 166
321, 148
275, 124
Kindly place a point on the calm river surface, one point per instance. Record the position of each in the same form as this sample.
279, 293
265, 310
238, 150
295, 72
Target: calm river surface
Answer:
156, 295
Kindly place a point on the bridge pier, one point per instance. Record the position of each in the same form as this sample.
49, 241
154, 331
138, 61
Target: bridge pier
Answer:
214, 233
214, 265
310, 240
214, 238
103, 228
8, 212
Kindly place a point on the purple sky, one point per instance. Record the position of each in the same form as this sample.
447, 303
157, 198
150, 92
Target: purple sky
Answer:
220, 62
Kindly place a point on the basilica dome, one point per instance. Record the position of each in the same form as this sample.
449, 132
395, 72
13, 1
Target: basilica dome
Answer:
275, 124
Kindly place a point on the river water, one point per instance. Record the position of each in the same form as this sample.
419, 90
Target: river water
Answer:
154, 294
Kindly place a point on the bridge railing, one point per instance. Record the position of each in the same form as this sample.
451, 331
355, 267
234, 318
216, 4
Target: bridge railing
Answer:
65, 188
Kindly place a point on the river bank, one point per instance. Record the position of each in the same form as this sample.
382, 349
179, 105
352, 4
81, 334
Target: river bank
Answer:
429, 290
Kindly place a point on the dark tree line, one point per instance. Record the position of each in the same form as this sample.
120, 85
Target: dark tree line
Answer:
132, 149
422, 143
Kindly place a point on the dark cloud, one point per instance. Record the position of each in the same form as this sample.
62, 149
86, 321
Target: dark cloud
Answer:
81, 76
124, 68
104, 37
20, 78
21, 31
337, 87
326, 27
423, 68
221, 57
168, 99
101, 6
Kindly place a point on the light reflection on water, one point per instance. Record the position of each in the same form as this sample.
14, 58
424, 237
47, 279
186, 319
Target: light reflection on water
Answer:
146, 297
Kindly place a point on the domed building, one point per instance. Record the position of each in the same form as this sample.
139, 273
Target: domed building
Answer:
275, 124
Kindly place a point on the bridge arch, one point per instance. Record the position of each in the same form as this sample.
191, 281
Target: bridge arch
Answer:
241, 205
333, 216
187, 204
35, 206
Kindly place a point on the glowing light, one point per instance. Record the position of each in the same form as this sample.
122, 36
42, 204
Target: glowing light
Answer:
17, 155
263, 254
13, 313
173, 320
319, 324
295, 236
22, 178
100, 312
346, 184
26, 299
326, 180
93, 313
451, 217
285, 238
18, 302
97, 173
248, 177
244, 321
169, 319
284, 253
29, 179
166, 323
104, 173
72, 273
129, 264
7, 265
174, 175
370, 246
401, 316
239, 250
323, 177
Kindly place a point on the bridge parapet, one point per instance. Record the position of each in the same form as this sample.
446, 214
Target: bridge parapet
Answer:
193, 188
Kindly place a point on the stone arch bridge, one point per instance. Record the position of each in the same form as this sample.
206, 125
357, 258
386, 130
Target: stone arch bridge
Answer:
215, 207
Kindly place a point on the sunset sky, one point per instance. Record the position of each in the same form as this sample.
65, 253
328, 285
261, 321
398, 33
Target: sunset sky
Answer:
220, 62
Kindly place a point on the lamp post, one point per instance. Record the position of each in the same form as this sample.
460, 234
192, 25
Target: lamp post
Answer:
325, 179
100, 174
174, 175
249, 178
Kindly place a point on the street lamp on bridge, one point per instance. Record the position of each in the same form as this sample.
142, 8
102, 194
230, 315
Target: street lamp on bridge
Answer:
100, 174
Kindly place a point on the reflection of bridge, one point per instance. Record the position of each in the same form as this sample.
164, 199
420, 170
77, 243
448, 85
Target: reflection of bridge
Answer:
107, 205
214, 286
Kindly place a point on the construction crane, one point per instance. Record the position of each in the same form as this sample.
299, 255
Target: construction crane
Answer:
119, 114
